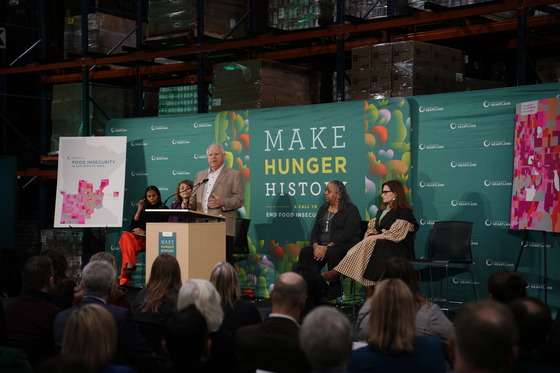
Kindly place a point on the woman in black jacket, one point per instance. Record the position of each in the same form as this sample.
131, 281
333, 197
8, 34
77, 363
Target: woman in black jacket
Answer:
336, 230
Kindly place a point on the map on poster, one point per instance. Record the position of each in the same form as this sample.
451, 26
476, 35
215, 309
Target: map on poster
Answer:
90, 183
536, 181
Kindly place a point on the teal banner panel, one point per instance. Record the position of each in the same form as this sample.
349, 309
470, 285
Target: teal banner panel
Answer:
454, 153
286, 157
463, 168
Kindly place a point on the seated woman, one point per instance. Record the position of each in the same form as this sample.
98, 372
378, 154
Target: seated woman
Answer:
335, 231
237, 312
182, 199
203, 295
134, 241
91, 334
389, 234
430, 319
157, 302
63, 292
392, 345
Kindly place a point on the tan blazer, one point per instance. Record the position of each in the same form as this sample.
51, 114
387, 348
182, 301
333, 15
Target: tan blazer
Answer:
229, 187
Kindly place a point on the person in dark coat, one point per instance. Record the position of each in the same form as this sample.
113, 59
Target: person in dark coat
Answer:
29, 318
335, 231
97, 281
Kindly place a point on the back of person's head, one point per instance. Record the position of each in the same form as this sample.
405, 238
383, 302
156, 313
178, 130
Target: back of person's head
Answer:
224, 279
185, 336
90, 334
97, 278
36, 273
289, 292
164, 282
485, 337
59, 262
399, 267
326, 338
204, 296
391, 324
533, 320
105, 256
314, 282
505, 286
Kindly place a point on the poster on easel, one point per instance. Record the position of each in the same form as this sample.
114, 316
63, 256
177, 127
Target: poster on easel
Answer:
90, 183
536, 180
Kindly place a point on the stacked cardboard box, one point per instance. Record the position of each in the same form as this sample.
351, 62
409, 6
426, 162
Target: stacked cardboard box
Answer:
69, 241
299, 14
110, 102
179, 100
174, 17
259, 83
374, 9
548, 69
404, 69
371, 71
105, 32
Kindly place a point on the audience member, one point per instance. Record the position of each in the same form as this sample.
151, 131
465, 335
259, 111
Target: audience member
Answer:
91, 334
64, 364
326, 339
157, 302
14, 360
116, 297
98, 279
430, 319
534, 321
204, 296
485, 338
186, 341
237, 312
274, 344
29, 318
392, 345
505, 286
316, 288
62, 293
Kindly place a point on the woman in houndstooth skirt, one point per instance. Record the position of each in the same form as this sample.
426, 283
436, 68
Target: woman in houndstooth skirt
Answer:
389, 234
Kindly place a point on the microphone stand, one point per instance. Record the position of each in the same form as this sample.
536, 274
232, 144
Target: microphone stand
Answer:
168, 198
194, 190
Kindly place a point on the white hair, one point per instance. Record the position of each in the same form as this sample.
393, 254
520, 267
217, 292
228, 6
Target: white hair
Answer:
204, 296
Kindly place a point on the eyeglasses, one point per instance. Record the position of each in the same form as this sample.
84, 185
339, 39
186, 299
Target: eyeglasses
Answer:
386, 191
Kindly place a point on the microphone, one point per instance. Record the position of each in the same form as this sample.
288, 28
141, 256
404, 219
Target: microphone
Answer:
168, 198
194, 190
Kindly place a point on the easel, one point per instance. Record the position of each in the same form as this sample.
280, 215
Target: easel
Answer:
545, 262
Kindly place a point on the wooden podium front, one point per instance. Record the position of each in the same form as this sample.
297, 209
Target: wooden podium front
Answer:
198, 246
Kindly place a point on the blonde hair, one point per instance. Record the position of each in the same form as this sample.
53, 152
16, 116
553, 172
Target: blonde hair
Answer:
204, 296
391, 324
91, 335
224, 279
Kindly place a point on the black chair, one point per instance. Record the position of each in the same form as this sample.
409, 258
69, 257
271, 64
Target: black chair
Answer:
240, 243
450, 250
241, 251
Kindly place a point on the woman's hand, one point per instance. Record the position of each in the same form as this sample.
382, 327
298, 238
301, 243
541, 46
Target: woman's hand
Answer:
139, 231
376, 237
319, 252
141, 204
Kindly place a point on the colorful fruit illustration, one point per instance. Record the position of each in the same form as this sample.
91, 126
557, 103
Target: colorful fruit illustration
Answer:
276, 251
377, 169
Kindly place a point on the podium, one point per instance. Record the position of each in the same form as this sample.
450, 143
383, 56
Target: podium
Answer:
197, 245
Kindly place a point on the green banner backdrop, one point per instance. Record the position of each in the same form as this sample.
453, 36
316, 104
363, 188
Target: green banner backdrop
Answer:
454, 152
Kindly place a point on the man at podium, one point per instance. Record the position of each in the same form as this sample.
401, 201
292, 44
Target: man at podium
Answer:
220, 192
